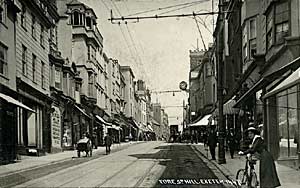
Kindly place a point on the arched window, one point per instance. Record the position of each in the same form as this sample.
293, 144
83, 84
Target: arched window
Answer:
76, 16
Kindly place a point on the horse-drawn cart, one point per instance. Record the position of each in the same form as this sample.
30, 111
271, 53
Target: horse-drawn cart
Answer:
85, 145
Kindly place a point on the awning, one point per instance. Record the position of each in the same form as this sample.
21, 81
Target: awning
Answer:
102, 120
115, 127
135, 124
15, 102
290, 81
202, 122
293, 65
150, 128
83, 112
257, 86
228, 107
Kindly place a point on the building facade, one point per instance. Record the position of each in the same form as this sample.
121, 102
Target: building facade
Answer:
8, 110
261, 70
77, 27
33, 73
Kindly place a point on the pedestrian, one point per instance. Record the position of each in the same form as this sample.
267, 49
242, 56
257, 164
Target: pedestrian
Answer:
196, 136
268, 175
212, 142
231, 141
108, 142
205, 137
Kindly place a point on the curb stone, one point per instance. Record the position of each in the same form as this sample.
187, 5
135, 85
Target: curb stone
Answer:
221, 172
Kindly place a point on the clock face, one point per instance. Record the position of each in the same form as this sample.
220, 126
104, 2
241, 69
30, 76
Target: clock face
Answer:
183, 85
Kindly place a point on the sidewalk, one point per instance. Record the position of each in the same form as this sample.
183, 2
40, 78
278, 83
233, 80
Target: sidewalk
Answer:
289, 178
32, 162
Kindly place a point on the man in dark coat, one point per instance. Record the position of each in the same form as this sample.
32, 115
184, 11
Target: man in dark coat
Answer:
231, 142
268, 175
212, 142
108, 142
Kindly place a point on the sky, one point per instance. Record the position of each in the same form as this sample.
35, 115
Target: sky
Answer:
156, 49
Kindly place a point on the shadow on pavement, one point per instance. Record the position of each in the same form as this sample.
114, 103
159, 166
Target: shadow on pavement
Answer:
183, 167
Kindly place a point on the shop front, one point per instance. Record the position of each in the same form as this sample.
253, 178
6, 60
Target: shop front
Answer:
8, 127
34, 128
283, 104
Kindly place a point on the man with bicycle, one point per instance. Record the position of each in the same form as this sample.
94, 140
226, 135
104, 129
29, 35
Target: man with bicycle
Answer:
268, 175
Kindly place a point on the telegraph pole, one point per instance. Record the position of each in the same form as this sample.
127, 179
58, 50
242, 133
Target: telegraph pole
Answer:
221, 125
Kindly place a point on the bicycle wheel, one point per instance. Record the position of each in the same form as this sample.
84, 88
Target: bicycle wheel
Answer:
242, 178
254, 181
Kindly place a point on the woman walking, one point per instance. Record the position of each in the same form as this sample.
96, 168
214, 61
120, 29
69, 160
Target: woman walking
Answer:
268, 175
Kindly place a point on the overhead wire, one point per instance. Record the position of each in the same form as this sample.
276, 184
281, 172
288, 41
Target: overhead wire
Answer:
200, 33
124, 37
167, 7
173, 10
203, 23
108, 9
116, 7
133, 43
140, 64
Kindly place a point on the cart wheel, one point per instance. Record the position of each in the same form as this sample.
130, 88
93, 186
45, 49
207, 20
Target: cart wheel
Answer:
78, 153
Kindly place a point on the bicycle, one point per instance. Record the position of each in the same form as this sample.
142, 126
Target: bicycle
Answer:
247, 176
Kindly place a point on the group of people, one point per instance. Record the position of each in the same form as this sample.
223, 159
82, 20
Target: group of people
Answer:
268, 175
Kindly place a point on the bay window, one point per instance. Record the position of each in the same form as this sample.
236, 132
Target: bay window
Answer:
277, 22
281, 21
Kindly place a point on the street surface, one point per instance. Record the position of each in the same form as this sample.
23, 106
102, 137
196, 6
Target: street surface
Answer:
149, 164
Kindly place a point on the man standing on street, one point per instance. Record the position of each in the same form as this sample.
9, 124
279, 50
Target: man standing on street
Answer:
108, 142
212, 142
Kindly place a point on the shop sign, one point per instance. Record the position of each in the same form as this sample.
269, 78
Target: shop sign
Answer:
56, 127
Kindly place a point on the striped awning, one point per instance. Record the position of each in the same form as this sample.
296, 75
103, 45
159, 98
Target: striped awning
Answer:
228, 107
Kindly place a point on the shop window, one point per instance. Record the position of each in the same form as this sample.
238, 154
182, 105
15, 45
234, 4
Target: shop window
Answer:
24, 60
287, 122
3, 60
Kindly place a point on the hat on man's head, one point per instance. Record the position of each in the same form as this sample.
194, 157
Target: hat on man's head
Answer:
252, 129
